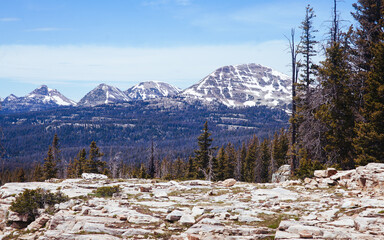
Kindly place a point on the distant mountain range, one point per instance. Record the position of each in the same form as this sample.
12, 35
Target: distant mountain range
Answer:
233, 86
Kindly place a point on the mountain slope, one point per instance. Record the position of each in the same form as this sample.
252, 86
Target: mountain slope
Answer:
103, 94
151, 89
39, 99
243, 85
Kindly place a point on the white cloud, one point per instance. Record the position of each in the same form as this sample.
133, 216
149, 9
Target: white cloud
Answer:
9, 19
181, 66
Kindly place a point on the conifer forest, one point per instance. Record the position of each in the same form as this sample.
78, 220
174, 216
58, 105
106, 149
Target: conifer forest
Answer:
335, 119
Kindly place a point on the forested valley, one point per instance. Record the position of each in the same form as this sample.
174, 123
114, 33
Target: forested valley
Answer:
337, 120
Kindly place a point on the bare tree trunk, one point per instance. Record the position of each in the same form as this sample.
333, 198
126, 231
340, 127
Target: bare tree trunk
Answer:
295, 70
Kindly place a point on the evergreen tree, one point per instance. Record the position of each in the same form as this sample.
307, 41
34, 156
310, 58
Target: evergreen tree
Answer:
242, 157
142, 171
231, 161
202, 155
308, 51
94, 164
337, 112
49, 167
264, 161
56, 156
369, 141
20, 175
250, 161
192, 168
179, 169
37, 174
280, 146
219, 170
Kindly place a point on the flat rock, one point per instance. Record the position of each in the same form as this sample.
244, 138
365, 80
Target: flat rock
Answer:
93, 176
229, 182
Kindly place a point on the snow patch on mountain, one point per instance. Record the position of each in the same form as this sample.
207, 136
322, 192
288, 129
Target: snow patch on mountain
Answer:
39, 99
242, 86
151, 90
103, 94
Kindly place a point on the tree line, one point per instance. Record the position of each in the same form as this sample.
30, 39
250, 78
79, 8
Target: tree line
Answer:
253, 161
338, 104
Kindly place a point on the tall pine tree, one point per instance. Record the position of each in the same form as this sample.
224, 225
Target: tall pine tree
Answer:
369, 47
49, 167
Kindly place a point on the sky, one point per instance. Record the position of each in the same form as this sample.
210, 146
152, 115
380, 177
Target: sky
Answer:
75, 45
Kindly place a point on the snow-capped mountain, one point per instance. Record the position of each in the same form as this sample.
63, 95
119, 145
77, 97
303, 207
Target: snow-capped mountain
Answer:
103, 94
46, 95
151, 89
39, 99
243, 85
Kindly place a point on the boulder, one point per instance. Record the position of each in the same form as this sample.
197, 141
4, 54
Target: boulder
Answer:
320, 173
93, 176
175, 215
16, 217
39, 222
229, 182
282, 174
187, 219
196, 211
145, 188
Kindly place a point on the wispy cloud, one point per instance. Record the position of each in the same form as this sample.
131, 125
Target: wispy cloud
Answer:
181, 66
45, 29
9, 19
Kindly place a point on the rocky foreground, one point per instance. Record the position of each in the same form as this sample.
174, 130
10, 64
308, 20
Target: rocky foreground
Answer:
334, 205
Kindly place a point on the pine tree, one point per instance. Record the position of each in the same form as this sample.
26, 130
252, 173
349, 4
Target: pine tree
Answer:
369, 140
219, 170
229, 170
337, 112
142, 171
264, 161
250, 161
179, 169
202, 155
307, 50
280, 146
192, 168
56, 156
20, 175
49, 167
242, 163
37, 174
94, 164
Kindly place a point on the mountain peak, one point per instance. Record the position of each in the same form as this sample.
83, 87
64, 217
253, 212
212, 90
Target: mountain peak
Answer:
103, 94
243, 85
151, 89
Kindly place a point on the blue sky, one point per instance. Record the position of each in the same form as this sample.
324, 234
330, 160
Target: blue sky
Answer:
75, 45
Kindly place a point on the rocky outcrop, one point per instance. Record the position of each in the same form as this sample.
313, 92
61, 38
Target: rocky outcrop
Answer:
282, 174
334, 205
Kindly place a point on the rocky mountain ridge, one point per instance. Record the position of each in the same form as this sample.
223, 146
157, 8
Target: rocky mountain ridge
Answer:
333, 205
243, 85
103, 94
233, 86
39, 99
151, 90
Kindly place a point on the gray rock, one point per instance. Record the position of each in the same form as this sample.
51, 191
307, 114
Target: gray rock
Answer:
282, 174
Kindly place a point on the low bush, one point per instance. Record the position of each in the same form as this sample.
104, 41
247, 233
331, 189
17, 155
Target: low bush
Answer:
106, 191
29, 201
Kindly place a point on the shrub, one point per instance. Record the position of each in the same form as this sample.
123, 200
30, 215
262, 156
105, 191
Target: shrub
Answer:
106, 191
29, 201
